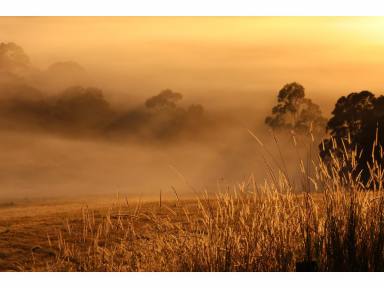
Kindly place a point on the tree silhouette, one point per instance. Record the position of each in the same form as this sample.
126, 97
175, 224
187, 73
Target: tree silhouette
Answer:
13, 58
165, 99
356, 127
84, 107
168, 120
48, 101
295, 112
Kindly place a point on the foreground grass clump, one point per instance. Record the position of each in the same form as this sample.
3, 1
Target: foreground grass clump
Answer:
339, 226
234, 231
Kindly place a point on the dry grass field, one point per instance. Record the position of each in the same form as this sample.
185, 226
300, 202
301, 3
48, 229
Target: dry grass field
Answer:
239, 144
339, 226
237, 230
26, 225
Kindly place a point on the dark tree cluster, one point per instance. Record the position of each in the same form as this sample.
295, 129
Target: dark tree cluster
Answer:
356, 126
296, 112
79, 111
161, 118
76, 109
355, 132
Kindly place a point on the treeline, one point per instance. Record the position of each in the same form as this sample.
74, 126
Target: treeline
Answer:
352, 139
355, 128
85, 111
82, 112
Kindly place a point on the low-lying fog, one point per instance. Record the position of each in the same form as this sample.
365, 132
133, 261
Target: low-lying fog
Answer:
37, 165
62, 135
41, 165
135, 105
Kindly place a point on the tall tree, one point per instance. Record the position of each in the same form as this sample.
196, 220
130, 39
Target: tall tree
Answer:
295, 112
356, 128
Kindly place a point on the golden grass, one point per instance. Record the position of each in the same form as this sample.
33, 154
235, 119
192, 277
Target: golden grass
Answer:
270, 227
235, 231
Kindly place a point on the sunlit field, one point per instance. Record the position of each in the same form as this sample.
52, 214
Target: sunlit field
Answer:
241, 228
191, 144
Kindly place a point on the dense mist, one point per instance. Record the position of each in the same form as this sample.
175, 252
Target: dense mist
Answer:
64, 135
191, 143
60, 136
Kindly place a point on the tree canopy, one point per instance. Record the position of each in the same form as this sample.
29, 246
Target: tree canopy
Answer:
165, 99
356, 127
13, 58
296, 112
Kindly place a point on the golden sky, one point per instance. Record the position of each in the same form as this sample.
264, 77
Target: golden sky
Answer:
211, 58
